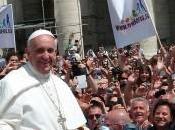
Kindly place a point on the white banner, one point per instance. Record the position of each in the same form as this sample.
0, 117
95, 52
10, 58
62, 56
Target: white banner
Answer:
131, 21
7, 34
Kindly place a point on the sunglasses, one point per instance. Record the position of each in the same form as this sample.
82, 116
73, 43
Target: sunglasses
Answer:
97, 116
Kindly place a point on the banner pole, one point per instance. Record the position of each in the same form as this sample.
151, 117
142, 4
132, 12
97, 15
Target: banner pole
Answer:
158, 38
43, 11
13, 29
161, 46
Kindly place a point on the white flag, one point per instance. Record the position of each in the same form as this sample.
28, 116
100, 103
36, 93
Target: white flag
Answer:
131, 21
7, 34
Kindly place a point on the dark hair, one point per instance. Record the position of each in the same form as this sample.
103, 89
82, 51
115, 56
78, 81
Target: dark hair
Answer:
144, 68
153, 60
110, 103
10, 54
99, 96
164, 102
94, 105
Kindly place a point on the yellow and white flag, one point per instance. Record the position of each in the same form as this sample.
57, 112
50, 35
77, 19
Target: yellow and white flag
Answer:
131, 21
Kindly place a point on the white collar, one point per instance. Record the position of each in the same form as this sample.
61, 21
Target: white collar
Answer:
37, 73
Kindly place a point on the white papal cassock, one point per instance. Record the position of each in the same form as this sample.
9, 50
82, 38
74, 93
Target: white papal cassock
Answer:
30, 101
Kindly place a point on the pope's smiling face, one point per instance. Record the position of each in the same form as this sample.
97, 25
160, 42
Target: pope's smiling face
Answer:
41, 53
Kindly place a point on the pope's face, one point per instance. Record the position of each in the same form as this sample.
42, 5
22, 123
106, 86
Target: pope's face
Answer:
41, 53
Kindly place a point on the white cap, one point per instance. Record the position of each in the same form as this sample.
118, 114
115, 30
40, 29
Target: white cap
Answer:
38, 33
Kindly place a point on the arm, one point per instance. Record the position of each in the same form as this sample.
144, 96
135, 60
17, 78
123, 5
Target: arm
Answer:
111, 62
120, 94
91, 82
128, 92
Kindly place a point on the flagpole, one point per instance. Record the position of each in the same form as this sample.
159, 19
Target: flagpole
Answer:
13, 28
161, 46
157, 35
43, 11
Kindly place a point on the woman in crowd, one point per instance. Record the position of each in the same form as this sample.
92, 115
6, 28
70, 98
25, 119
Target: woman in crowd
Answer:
12, 63
163, 116
145, 75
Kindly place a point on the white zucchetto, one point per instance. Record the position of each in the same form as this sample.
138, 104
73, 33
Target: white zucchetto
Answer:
38, 33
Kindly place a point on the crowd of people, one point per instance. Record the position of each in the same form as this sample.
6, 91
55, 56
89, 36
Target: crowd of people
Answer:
117, 89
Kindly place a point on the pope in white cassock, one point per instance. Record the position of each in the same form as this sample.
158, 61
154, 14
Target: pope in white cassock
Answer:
32, 98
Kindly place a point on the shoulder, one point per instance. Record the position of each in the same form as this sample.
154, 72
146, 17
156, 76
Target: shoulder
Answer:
62, 88
17, 80
59, 82
12, 78
9, 86
14, 74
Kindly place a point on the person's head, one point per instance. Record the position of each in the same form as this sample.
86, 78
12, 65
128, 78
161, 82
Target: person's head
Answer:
116, 119
12, 57
41, 50
145, 74
24, 57
94, 114
12, 61
162, 113
123, 79
114, 101
139, 110
105, 63
97, 97
153, 61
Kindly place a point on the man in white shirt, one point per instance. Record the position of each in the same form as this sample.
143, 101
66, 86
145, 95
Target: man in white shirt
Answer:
32, 98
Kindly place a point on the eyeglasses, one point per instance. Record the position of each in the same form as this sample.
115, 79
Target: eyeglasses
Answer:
97, 116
